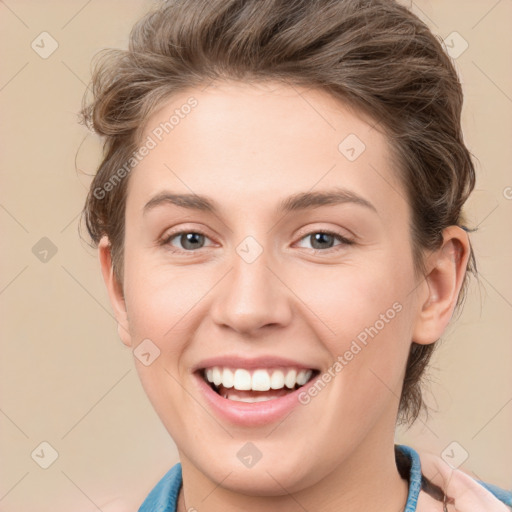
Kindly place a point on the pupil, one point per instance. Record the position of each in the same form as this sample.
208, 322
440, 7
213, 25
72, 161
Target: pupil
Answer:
190, 238
320, 237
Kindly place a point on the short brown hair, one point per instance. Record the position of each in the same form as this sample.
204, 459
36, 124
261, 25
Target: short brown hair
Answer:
374, 55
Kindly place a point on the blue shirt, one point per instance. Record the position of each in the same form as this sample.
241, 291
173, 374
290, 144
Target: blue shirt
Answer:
164, 496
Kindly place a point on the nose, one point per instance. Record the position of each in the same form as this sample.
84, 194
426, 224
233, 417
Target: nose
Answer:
252, 296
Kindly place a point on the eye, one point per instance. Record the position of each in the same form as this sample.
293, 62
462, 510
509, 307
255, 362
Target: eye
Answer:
189, 240
323, 240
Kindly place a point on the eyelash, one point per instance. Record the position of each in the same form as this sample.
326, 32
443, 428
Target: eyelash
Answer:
344, 241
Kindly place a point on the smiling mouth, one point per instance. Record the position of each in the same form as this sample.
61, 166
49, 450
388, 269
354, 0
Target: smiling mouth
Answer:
258, 385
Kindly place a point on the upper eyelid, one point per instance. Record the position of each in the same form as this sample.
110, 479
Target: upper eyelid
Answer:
308, 231
301, 232
168, 234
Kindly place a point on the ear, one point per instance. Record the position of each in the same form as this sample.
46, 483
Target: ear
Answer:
114, 290
446, 269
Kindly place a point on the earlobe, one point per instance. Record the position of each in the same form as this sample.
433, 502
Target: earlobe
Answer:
114, 290
447, 267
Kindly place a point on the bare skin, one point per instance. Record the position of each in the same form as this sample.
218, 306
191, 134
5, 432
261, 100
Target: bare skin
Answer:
466, 495
248, 147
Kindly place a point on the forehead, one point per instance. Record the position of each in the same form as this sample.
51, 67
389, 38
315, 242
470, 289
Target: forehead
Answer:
243, 140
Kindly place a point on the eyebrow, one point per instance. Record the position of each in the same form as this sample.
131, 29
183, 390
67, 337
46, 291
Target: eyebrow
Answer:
295, 202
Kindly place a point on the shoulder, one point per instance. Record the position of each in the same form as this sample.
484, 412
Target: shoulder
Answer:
164, 496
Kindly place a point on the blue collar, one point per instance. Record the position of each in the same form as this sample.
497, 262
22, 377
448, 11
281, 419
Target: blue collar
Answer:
414, 478
164, 496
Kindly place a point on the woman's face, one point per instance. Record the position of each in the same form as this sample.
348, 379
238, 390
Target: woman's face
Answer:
256, 286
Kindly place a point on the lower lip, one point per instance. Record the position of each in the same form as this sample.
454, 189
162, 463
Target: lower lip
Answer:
251, 414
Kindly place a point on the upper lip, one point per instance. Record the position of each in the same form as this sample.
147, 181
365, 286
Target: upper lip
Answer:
236, 361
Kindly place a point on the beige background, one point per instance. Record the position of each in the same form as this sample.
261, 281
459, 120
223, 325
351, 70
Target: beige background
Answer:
66, 378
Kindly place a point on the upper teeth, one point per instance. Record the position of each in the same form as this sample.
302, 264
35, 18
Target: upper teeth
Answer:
257, 380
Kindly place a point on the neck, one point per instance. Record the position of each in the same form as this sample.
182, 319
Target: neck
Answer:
368, 479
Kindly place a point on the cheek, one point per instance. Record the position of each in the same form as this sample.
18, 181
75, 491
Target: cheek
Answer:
348, 299
363, 319
161, 298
